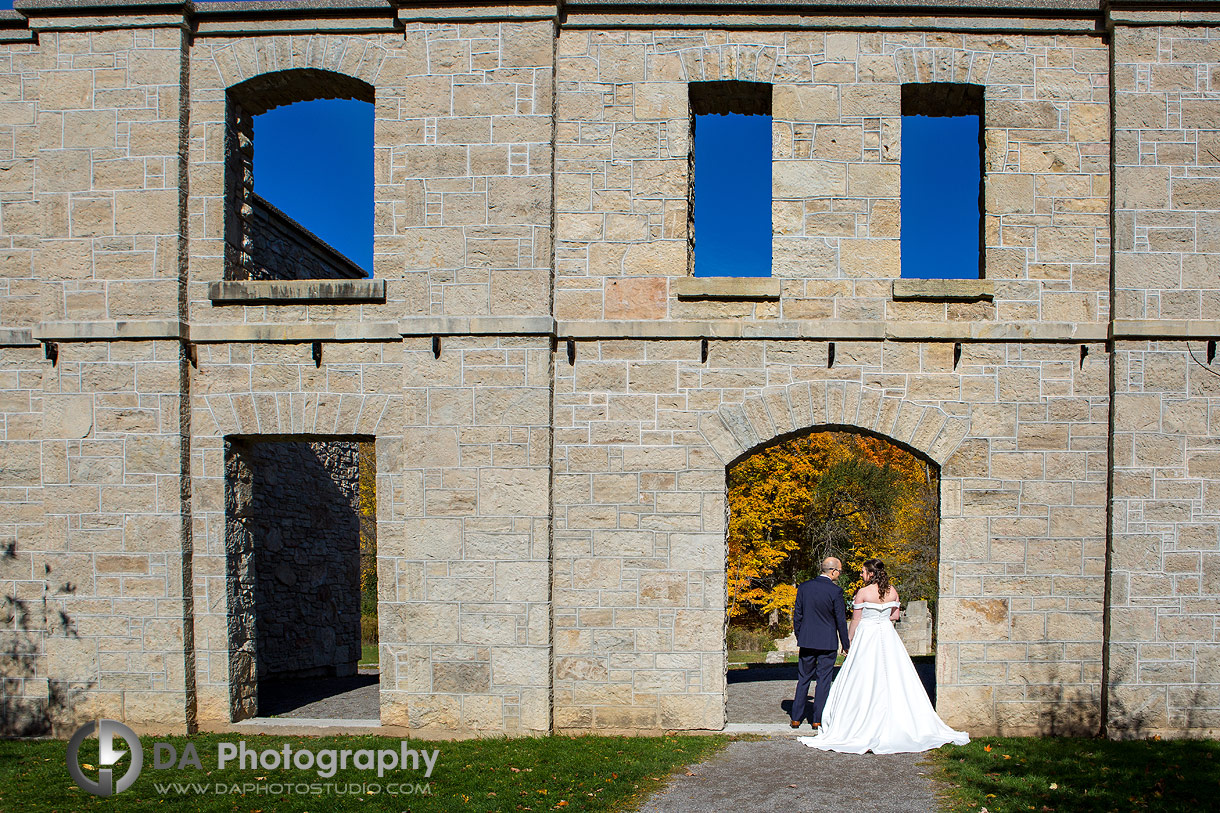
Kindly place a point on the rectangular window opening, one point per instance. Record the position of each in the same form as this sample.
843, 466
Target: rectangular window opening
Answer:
730, 189
942, 181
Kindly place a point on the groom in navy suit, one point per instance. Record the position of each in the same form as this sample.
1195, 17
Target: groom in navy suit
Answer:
819, 614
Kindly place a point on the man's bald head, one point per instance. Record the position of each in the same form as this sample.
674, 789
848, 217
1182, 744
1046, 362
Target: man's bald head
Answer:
831, 564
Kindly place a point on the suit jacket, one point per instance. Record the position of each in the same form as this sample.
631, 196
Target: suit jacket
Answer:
819, 613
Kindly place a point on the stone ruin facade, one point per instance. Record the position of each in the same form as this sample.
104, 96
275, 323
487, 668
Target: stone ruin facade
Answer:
554, 398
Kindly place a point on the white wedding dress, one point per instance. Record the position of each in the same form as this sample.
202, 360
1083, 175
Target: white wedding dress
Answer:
877, 703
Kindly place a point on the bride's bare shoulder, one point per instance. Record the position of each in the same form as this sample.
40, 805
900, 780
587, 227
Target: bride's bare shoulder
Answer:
891, 595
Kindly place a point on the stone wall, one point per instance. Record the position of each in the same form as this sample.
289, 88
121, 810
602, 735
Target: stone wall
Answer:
554, 401
284, 249
293, 537
622, 170
1165, 652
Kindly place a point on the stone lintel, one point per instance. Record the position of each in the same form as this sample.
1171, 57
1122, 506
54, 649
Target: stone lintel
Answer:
237, 27
1053, 7
1166, 329
475, 11
295, 333
17, 337
583, 19
726, 287
94, 15
1163, 13
259, 17
111, 330
240, 292
98, 23
477, 326
99, 7
944, 290
14, 27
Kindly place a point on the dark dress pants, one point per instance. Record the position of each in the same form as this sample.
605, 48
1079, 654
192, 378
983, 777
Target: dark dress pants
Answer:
813, 664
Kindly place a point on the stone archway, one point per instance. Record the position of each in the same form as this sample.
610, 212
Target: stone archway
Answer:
735, 430
808, 494
774, 414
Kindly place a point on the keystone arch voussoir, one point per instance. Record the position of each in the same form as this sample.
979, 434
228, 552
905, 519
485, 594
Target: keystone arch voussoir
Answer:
735, 429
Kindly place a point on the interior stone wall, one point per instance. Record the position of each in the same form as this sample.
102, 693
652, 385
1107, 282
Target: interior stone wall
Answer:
294, 554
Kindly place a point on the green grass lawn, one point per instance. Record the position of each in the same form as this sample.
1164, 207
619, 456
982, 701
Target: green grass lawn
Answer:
1011, 775
743, 656
544, 773
368, 655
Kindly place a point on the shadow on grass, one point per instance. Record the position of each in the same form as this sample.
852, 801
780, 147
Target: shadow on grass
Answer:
1074, 775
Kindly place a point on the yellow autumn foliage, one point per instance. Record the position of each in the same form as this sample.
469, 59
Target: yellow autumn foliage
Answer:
828, 493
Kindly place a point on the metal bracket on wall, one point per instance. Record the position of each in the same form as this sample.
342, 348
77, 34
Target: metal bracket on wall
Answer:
703, 351
51, 350
317, 354
436, 347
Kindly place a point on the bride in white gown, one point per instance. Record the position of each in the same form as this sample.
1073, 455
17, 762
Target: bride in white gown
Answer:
877, 703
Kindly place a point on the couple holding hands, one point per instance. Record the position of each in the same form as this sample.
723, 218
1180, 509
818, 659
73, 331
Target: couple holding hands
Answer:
877, 703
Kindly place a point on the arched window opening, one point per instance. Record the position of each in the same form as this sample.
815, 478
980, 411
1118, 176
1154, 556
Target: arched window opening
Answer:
299, 177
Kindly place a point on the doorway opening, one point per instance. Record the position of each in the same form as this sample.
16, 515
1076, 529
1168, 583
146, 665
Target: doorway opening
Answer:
300, 544
827, 492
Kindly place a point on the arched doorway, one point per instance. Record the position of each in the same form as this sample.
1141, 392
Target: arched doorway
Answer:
827, 491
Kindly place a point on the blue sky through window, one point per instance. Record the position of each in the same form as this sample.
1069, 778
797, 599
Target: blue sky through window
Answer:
940, 197
314, 162
733, 195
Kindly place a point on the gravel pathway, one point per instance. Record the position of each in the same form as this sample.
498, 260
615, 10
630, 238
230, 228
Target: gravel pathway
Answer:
758, 776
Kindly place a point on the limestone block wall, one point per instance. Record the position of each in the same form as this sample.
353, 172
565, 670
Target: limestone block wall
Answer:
1165, 654
1167, 160
20, 220
104, 155
26, 705
465, 584
92, 454
92, 528
644, 431
1165, 643
622, 175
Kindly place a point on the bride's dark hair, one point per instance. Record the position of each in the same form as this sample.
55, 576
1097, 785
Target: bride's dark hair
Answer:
880, 578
